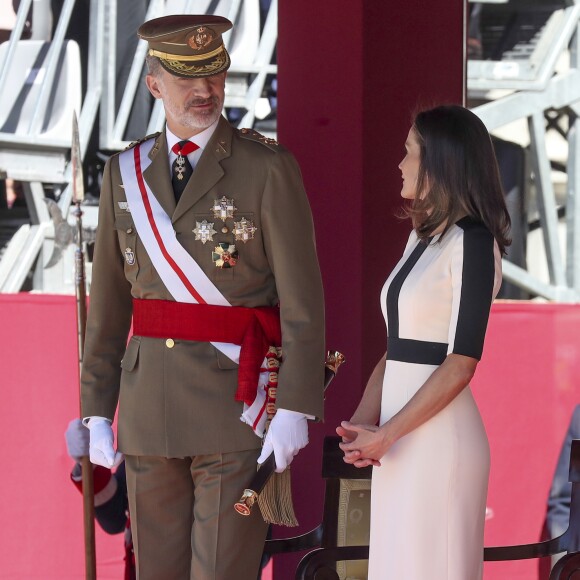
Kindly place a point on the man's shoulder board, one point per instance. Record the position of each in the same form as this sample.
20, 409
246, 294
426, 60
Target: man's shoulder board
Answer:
142, 140
253, 135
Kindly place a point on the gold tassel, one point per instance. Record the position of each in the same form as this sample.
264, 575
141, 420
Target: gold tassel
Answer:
275, 500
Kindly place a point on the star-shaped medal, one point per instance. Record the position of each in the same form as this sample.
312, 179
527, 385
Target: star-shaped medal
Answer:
223, 208
225, 255
244, 230
204, 231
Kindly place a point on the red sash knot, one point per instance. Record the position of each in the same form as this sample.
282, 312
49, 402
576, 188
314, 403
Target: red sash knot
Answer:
255, 330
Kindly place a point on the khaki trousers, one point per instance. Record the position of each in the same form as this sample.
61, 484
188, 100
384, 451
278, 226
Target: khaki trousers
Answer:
183, 521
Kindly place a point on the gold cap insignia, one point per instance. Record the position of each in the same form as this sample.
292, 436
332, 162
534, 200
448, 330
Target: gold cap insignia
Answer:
202, 37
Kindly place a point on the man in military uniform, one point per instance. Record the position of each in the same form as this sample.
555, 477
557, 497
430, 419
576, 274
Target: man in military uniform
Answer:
205, 244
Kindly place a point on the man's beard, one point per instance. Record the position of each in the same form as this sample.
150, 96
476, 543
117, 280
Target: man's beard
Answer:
188, 116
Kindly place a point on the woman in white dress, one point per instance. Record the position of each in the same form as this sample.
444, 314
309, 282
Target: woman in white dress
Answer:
417, 422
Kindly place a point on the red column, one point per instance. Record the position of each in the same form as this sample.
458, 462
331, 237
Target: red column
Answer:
350, 76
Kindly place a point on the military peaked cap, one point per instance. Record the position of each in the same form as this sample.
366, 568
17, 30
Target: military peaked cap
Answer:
188, 45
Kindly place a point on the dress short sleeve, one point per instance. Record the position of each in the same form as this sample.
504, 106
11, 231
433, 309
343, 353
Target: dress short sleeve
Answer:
474, 286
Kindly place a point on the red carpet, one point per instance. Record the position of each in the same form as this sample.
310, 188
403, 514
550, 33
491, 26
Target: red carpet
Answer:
527, 385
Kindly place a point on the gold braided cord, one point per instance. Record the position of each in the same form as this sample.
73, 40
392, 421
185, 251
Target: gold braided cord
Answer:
190, 58
179, 67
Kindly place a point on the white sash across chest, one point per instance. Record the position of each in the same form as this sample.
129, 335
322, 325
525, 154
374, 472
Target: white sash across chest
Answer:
180, 273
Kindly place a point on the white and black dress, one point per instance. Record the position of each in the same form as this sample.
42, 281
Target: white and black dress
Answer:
429, 495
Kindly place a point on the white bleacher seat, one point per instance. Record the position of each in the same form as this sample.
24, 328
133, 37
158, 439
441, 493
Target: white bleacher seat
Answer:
25, 78
40, 155
243, 40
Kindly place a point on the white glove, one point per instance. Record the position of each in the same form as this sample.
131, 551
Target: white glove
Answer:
101, 450
77, 440
287, 434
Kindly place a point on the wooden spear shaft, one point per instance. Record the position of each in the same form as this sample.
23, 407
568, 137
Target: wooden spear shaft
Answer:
77, 184
87, 468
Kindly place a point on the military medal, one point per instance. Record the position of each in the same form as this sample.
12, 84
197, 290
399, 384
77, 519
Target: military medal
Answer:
180, 166
223, 208
182, 149
204, 231
244, 230
225, 255
129, 256
124, 205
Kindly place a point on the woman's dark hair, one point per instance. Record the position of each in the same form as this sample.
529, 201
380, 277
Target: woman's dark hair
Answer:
458, 174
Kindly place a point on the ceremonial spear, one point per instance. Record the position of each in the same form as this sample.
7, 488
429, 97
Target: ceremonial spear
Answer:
81, 304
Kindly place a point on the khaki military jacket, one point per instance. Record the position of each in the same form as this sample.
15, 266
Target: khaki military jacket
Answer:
178, 400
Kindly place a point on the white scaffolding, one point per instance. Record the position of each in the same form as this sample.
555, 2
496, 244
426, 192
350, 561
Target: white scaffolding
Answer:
531, 89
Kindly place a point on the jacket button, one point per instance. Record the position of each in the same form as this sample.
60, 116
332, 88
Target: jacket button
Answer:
169, 343
129, 230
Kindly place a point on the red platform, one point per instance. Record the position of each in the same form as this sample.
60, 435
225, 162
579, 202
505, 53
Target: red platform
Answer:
526, 386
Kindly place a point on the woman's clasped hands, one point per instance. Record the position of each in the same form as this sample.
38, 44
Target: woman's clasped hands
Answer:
363, 445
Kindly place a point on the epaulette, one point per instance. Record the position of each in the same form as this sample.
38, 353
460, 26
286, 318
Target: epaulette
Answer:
146, 138
255, 136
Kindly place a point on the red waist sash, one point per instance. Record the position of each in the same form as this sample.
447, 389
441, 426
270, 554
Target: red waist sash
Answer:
254, 329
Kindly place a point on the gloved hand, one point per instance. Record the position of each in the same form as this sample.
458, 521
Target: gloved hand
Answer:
101, 448
77, 440
287, 434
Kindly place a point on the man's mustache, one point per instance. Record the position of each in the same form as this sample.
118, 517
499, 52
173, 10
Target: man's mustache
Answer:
197, 102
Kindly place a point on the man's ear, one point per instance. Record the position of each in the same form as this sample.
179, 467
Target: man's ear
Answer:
153, 85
